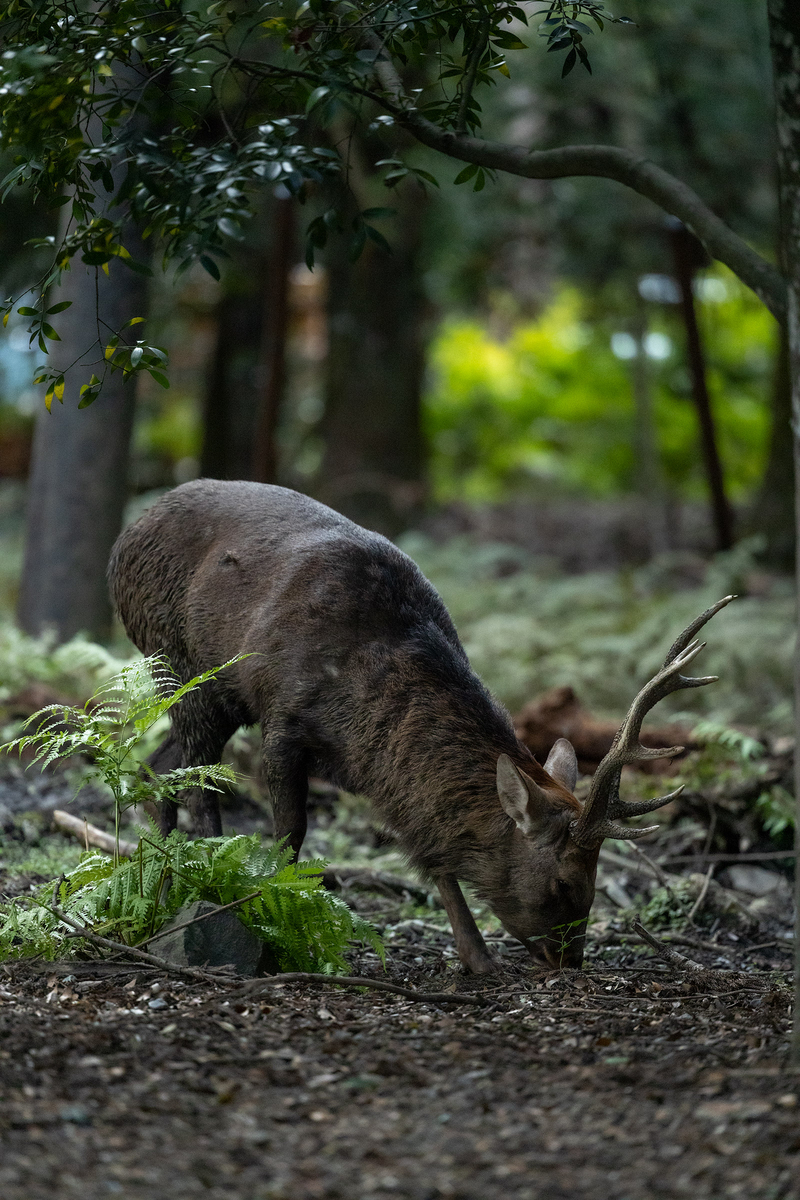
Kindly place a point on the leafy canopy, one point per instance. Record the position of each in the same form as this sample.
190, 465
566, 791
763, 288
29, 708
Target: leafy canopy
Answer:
175, 111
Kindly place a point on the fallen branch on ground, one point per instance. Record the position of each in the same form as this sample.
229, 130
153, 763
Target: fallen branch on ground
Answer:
698, 904
90, 835
153, 960
373, 880
356, 981
670, 956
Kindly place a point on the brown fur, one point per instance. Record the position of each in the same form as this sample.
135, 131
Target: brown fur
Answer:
356, 675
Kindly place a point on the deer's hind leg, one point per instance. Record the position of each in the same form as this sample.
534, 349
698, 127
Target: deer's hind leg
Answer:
285, 773
202, 724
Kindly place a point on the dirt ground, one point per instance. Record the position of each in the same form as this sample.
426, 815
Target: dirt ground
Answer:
625, 1081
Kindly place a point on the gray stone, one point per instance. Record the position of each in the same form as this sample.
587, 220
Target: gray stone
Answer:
756, 881
216, 941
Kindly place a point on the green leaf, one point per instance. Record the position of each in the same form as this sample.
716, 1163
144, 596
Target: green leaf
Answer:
378, 238
209, 265
60, 307
377, 214
466, 174
159, 377
317, 96
26, 311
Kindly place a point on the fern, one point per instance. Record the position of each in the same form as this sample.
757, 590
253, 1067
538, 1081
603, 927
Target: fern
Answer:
307, 927
111, 727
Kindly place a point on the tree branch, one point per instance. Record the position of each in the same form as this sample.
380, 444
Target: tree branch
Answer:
635, 172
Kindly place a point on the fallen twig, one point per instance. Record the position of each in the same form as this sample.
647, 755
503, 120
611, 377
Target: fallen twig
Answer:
91, 835
153, 960
698, 904
671, 956
375, 880
357, 981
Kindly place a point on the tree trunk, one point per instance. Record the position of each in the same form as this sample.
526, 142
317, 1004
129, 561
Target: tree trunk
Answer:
231, 399
686, 251
373, 462
272, 364
247, 375
784, 19
649, 474
78, 481
773, 511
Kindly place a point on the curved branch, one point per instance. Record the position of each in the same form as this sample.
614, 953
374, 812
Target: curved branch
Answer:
610, 162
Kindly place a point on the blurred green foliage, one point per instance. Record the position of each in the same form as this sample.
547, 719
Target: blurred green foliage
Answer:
526, 627
549, 408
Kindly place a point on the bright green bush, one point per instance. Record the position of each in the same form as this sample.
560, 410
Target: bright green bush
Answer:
549, 407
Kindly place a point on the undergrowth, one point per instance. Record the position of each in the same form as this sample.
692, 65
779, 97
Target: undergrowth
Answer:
527, 627
307, 927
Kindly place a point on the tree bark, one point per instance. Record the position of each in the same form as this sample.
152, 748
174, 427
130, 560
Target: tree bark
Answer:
373, 462
685, 249
649, 473
784, 20
772, 515
272, 364
78, 481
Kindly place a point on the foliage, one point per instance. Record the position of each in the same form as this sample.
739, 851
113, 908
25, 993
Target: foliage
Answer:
110, 108
111, 727
550, 407
527, 628
776, 810
74, 669
307, 927
668, 908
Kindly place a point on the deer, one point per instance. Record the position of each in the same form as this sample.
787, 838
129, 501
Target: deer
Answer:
349, 662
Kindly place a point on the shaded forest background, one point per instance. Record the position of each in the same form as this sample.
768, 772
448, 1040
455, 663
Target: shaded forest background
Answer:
529, 364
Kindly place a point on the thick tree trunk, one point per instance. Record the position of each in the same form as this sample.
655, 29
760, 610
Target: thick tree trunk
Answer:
649, 473
231, 399
272, 365
78, 481
784, 18
247, 375
373, 463
686, 251
772, 514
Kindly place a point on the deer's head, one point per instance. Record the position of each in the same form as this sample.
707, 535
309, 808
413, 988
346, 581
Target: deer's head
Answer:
553, 850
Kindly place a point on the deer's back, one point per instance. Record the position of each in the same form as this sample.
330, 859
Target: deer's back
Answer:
215, 569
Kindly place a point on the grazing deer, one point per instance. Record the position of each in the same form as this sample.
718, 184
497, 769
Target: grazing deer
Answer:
356, 674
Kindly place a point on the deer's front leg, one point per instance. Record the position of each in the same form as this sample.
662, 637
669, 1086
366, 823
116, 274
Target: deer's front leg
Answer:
469, 943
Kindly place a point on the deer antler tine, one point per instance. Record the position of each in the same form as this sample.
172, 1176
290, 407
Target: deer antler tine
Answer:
610, 829
697, 624
603, 802
638, 808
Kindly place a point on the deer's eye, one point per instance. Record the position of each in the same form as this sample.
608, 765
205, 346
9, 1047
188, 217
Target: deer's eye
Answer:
563, 887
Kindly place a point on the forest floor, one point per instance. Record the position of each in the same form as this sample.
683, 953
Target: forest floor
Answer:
627, 1080
622, 1082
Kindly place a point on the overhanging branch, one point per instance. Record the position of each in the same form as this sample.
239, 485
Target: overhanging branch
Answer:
609, 162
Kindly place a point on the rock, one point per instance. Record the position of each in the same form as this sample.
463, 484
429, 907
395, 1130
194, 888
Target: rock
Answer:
214, 942
756, 881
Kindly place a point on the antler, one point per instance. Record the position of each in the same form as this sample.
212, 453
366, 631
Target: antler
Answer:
603, 805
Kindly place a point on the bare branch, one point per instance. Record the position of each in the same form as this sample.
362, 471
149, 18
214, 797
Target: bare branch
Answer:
632, 170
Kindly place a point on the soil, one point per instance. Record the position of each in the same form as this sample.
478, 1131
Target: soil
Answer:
621, 1081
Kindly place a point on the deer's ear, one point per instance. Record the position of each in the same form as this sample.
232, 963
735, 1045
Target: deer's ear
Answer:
526, 803
562, 764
